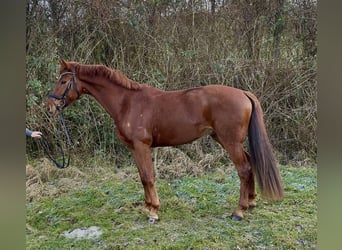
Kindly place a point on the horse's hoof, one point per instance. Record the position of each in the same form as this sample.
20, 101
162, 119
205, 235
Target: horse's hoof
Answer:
151, 220
236, 218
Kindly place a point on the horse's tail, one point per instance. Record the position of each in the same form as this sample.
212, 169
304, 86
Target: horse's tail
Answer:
263, 161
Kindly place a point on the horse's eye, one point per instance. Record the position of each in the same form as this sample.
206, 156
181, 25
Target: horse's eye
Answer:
63, 82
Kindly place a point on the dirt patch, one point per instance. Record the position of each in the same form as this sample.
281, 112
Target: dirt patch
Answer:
92, 232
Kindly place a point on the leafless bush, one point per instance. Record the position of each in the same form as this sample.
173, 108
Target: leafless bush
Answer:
268, 48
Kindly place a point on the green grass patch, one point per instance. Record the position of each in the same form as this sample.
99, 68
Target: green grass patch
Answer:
195, 214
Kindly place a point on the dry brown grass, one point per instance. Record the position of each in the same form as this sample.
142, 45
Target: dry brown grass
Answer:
199, 158
188, 160
44, 179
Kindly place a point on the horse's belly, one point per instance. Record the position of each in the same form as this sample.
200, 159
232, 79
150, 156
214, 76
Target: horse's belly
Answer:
179, 135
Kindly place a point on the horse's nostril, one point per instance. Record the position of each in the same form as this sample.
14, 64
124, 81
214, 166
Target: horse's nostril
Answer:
50, 110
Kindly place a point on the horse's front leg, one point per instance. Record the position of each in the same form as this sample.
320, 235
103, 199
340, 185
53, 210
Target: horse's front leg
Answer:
142, 155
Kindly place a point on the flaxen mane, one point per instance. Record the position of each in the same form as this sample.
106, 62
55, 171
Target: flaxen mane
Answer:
114, 76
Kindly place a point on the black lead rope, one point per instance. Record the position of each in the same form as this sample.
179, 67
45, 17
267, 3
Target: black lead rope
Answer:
48, 147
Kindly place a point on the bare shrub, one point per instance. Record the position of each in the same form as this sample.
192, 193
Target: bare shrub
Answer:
268, 48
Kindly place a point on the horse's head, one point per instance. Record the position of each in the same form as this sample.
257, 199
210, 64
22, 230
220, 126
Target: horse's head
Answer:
66, 89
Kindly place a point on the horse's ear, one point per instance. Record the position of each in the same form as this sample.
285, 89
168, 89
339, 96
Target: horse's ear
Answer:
63, 63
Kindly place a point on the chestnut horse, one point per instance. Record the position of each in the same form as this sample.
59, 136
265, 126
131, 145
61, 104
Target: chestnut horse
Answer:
148, 117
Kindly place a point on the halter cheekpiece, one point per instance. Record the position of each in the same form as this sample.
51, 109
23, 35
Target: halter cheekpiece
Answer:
66, 92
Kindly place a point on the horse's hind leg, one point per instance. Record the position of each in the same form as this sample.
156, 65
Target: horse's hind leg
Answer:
251, 191
247, 187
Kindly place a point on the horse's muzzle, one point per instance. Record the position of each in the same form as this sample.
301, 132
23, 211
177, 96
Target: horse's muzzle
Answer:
51, 107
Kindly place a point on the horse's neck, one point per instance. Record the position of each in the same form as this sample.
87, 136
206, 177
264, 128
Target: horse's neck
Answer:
108, 94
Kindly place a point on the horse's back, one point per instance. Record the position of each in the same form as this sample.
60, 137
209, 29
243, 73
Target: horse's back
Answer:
200, 103
184, 115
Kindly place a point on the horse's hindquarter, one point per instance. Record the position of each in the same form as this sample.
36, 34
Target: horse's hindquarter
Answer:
229, 105
182, 116
231, 114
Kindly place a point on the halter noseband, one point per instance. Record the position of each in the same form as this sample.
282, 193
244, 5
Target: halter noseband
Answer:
66, 92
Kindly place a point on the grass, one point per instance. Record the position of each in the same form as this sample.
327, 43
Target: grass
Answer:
195, 214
